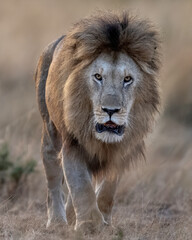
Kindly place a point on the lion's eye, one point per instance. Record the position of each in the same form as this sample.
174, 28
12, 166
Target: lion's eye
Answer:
128, 80
98, 77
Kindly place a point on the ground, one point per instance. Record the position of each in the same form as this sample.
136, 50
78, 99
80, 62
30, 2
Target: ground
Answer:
154, 198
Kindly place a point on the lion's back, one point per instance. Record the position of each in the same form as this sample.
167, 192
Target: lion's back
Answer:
41, 75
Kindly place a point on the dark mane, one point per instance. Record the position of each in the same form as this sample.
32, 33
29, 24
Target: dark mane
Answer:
111, 32
113, 35
108, 33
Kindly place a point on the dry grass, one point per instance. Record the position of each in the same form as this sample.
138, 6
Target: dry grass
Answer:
154, 199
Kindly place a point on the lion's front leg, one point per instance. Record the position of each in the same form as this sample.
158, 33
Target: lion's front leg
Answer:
81, 190
105, 191
54, 175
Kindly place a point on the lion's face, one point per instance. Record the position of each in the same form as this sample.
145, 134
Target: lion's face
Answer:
112, 81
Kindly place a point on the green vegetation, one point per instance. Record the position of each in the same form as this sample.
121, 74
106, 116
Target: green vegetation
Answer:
14, 169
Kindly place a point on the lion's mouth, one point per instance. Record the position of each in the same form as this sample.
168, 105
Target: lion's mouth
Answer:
110, 127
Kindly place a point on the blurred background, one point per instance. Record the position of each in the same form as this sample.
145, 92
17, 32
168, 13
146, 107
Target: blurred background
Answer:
155, 197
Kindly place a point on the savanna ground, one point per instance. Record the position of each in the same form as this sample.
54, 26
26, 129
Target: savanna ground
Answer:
154, 199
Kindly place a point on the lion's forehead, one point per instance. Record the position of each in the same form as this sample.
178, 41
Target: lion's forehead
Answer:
121, 65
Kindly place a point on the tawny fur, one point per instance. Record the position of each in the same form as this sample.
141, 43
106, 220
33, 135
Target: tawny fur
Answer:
66, 107
86, 40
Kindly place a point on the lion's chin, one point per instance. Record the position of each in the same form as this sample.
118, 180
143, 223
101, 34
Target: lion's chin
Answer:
108, 137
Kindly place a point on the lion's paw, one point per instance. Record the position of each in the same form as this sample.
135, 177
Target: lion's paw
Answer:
94, 223
90, 227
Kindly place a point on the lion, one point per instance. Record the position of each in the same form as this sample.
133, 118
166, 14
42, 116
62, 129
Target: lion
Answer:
98, 94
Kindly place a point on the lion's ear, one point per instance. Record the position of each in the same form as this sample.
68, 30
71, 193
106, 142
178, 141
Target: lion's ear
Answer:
155, 62
146, 68
152, 65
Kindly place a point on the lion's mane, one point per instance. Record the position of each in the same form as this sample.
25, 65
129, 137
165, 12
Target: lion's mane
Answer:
69, 102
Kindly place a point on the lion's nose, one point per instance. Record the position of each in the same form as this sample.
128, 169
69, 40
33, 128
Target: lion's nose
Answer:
110, 111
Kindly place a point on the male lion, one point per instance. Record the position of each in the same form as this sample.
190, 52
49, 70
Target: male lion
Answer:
97, 94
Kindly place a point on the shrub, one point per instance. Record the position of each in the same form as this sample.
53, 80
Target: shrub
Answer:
13, 170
